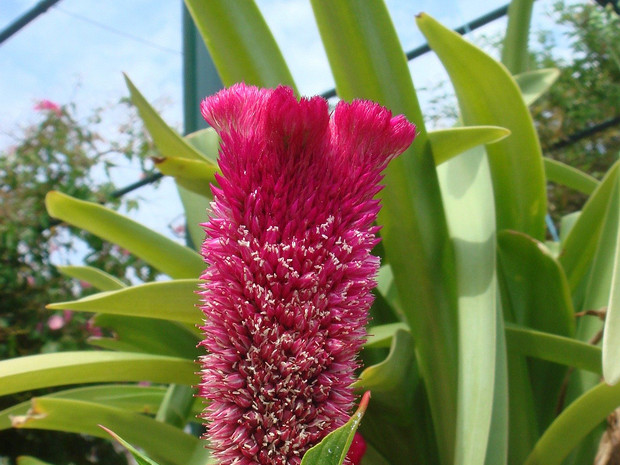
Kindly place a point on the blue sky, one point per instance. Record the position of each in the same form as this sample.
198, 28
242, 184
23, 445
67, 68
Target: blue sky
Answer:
78, 50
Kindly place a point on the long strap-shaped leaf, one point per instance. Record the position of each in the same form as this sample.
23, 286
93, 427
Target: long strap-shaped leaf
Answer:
240, 43
581, 242
164, 254
573, 424
75, 416
611, 335
94, 276
487, 94
46, 370
168, 300
468, 198
515, 49
367, 61
167, 140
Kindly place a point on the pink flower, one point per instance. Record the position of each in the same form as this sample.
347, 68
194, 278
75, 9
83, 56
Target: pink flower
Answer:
48, 105
288, 287
55, 322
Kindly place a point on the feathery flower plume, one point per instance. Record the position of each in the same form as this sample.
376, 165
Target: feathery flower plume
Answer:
288, 287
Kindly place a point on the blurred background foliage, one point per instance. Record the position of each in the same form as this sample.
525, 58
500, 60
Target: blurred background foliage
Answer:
64, 153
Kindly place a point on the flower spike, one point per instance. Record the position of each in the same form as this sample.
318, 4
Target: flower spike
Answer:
288, 288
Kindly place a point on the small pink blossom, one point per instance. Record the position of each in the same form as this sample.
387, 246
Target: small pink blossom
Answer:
288, 287
55, 322
48, 105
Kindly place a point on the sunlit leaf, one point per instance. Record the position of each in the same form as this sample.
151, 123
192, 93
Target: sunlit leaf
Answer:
174, 300
573, 424
194, 175
94, 276
162, 253
553, 348
75, 416
448, 143
139, 399
146, 335
580, 244
468, 198
534, 84
368, 62
568, 176
611, 333
514, 47
58, 369
168, 141
240, 43
488, 95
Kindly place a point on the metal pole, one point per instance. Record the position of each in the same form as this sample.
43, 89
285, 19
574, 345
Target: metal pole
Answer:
29, 16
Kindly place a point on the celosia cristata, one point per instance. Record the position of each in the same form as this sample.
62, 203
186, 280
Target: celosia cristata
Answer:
288, 287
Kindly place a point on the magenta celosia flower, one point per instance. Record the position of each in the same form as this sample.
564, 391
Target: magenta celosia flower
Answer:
288, 287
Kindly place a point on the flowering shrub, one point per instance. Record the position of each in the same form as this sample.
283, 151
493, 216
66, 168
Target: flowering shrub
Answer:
478, 349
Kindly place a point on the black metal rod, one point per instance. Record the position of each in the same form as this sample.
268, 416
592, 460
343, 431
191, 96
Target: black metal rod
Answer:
577, 136
26, 18
465, 28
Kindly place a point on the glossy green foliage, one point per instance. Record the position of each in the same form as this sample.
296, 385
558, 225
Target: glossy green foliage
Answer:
360, 41
240, 42
163, 253
78, 416
487, 94
37, 371
474, 327
333, 448
174, 300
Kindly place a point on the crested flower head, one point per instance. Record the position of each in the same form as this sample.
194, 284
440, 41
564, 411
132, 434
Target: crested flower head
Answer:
288, 287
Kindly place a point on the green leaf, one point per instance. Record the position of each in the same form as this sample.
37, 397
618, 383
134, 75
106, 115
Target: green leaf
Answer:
167, 300
163, 253
196, 207
177, 405
573, 425
240, 43
146, 335
381, 336
448, 143
207, 142
193, 175
389, 381
468, 198
368, 62
497, 443
167, 140
28, 460
139, 399
568, 176
533, 84
488, 95
553, 348
94, 276
540, 297
158, 439
333, 449
57, 369
515, 50
140, 458
580, 244
611, 333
